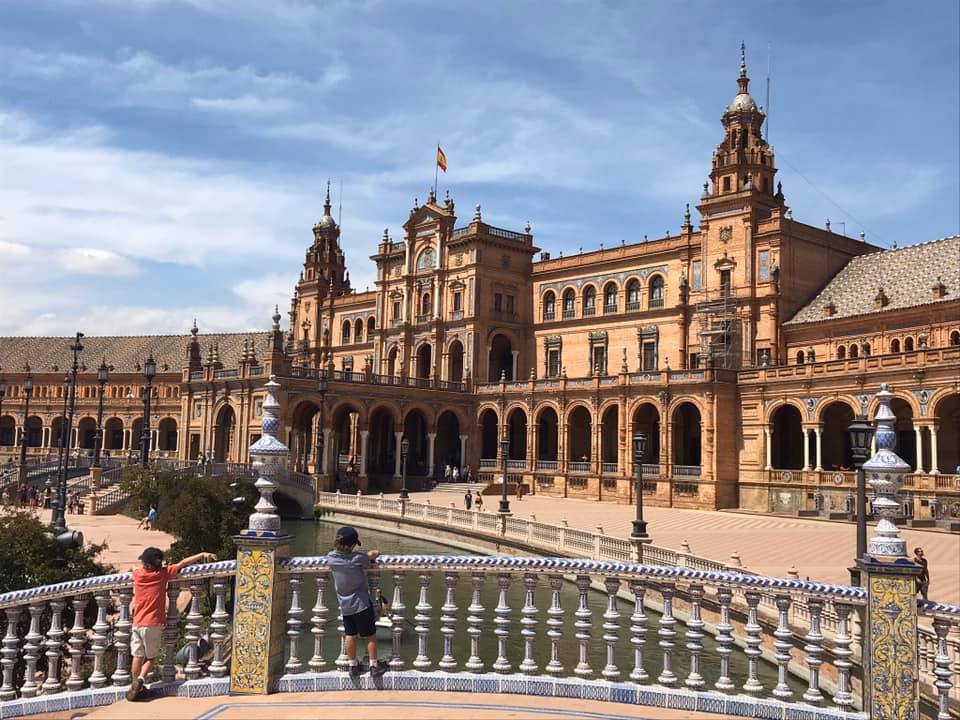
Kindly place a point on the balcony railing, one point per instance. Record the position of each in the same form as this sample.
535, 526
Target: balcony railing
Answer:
516, 464
550, 465
488, 463
608, 468
196, 374
656, 302
579, 466
567, 314
609, 309
456, 315
549, 315
423, 319
686, 471
633, 305
226, 374
589, 310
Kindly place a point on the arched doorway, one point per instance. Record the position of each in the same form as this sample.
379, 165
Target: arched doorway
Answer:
610, 436
113, 434
415, 431
646, 419
906, 436
547, 435
517, 433
947, 414
836, 418
56, 438
167, 435
223, 438
87, 433
34, 431
455, 362
136, 435
686, 435
8, 431
381, 443
501, 359
447, 443
424, 360
392, 361
345, 436
489, 434
786, 440
579, 430
303, 438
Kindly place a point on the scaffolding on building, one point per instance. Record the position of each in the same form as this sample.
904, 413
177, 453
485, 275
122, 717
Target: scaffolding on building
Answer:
720, 332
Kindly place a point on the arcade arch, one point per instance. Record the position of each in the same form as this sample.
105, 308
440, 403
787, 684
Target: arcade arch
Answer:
579, 432
501, 358
686, 435
517, 434
548, 436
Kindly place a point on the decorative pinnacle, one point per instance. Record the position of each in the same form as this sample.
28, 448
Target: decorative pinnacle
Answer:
686, 215
885, 471
476, 214
743, 59
269, 454
194, 330
276, 318
326, 202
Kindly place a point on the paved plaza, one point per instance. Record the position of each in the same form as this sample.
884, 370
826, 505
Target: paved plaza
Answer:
767, 544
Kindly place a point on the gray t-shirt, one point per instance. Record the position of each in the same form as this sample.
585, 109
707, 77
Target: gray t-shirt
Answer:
350, 580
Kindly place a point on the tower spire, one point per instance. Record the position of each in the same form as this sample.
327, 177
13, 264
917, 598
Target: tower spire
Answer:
326, 203
743, 81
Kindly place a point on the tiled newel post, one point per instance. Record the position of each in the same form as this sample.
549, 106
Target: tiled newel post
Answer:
891, 665
259, 627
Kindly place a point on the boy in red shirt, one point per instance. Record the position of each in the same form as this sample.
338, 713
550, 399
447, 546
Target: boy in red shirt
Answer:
150, 611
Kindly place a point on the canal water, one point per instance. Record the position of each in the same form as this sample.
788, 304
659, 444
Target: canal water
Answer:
316, 538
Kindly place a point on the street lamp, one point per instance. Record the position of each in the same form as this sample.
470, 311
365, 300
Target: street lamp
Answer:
323, 385
149, 373
62, 443
3, 392
404, 449
103, 374
860, 432
639, 452
504, 453
58, 516
27, 391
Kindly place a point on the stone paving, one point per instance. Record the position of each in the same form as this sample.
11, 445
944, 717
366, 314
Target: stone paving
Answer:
767, 544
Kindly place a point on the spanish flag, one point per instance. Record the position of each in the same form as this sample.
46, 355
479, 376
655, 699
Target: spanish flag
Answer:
441, 159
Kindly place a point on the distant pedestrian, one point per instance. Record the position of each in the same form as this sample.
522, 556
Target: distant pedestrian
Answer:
455, 474
467, 499
23, 495
478, 501
447, 473
923, 582
519, 491
467, 474
47, 494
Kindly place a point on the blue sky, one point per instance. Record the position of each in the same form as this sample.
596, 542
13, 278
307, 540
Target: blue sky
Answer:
165, 159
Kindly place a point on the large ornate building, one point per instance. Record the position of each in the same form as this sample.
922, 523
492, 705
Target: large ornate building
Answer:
742, 348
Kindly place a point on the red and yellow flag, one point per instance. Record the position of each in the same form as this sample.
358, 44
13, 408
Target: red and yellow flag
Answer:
441, 159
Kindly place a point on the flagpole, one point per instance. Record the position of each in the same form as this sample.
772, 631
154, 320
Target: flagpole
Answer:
436, 171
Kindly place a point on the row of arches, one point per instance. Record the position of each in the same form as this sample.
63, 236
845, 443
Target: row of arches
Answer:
356, 335
609, 295
579, 441
116, 435
501, 360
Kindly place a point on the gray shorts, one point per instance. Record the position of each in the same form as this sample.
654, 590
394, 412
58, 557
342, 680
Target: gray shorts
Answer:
146, 642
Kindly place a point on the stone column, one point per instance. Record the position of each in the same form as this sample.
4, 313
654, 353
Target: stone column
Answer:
934, 468
327, 444
819, 432
154, 440
463, 450
768, 446
364, 437
126, 439
516, 356
431, 437
918, 431
45, 438
806, 448
398, 438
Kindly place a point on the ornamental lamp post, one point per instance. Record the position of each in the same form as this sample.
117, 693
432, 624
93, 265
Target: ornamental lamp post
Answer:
27, 391
103, 375
860, 433
639, 452
404, 449
504, 508
149, 373
62, 442
68, 538
3, 393
323, 384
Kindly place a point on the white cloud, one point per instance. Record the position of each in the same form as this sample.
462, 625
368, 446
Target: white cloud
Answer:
93, 261
244, 104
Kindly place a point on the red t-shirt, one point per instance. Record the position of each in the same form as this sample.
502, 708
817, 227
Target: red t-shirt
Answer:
150, 595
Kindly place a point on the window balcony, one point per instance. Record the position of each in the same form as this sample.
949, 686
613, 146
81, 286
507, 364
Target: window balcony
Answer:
549, 315
456, 315
567, 314
589, 310
423, 319
633, 305
609, 309
656, 302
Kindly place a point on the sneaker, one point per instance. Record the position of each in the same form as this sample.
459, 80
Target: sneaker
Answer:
135, 688
378, 668
356, 670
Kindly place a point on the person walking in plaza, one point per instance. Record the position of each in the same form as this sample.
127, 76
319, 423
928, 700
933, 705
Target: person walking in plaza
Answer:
149, 612
519, 491
478, 501
467, 499
447, 473
923, 582
467, 474
353, 594
455, 474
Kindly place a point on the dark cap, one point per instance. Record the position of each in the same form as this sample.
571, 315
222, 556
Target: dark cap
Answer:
348, 536
152, 556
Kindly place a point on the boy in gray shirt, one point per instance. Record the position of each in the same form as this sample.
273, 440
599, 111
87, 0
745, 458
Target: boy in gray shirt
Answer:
353, 593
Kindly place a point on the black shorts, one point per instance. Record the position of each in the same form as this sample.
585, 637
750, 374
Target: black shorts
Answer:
362, 623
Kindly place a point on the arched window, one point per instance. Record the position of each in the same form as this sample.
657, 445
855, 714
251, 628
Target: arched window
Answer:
841, 352
955, 338
426, 260
589, 300
610, 298
894, 346
800, 357
633, 295
854, 351
549, 306
908, 345
345, 333
358, 331
656, 291
425, 304
371, 327
866, 349
569, 301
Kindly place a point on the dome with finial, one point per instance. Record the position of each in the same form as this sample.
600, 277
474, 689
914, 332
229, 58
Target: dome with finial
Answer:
743, 102
327, 222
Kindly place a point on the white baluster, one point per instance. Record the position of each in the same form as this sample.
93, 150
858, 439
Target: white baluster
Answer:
724, 639
11, 649
814, 651
422, 618
555, 625
78, 643
218, 627
121, 633
31, 653
638, 631
98, 640
942, 669
583, 626
342, 662
397, 609
191, 671
782, 643
695, 637
54, 645
448, 622
667, 634
475, 623
842, 653
611, 628
752, 642
318, 621
502, 624
528, 622
171, 631
294, 624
